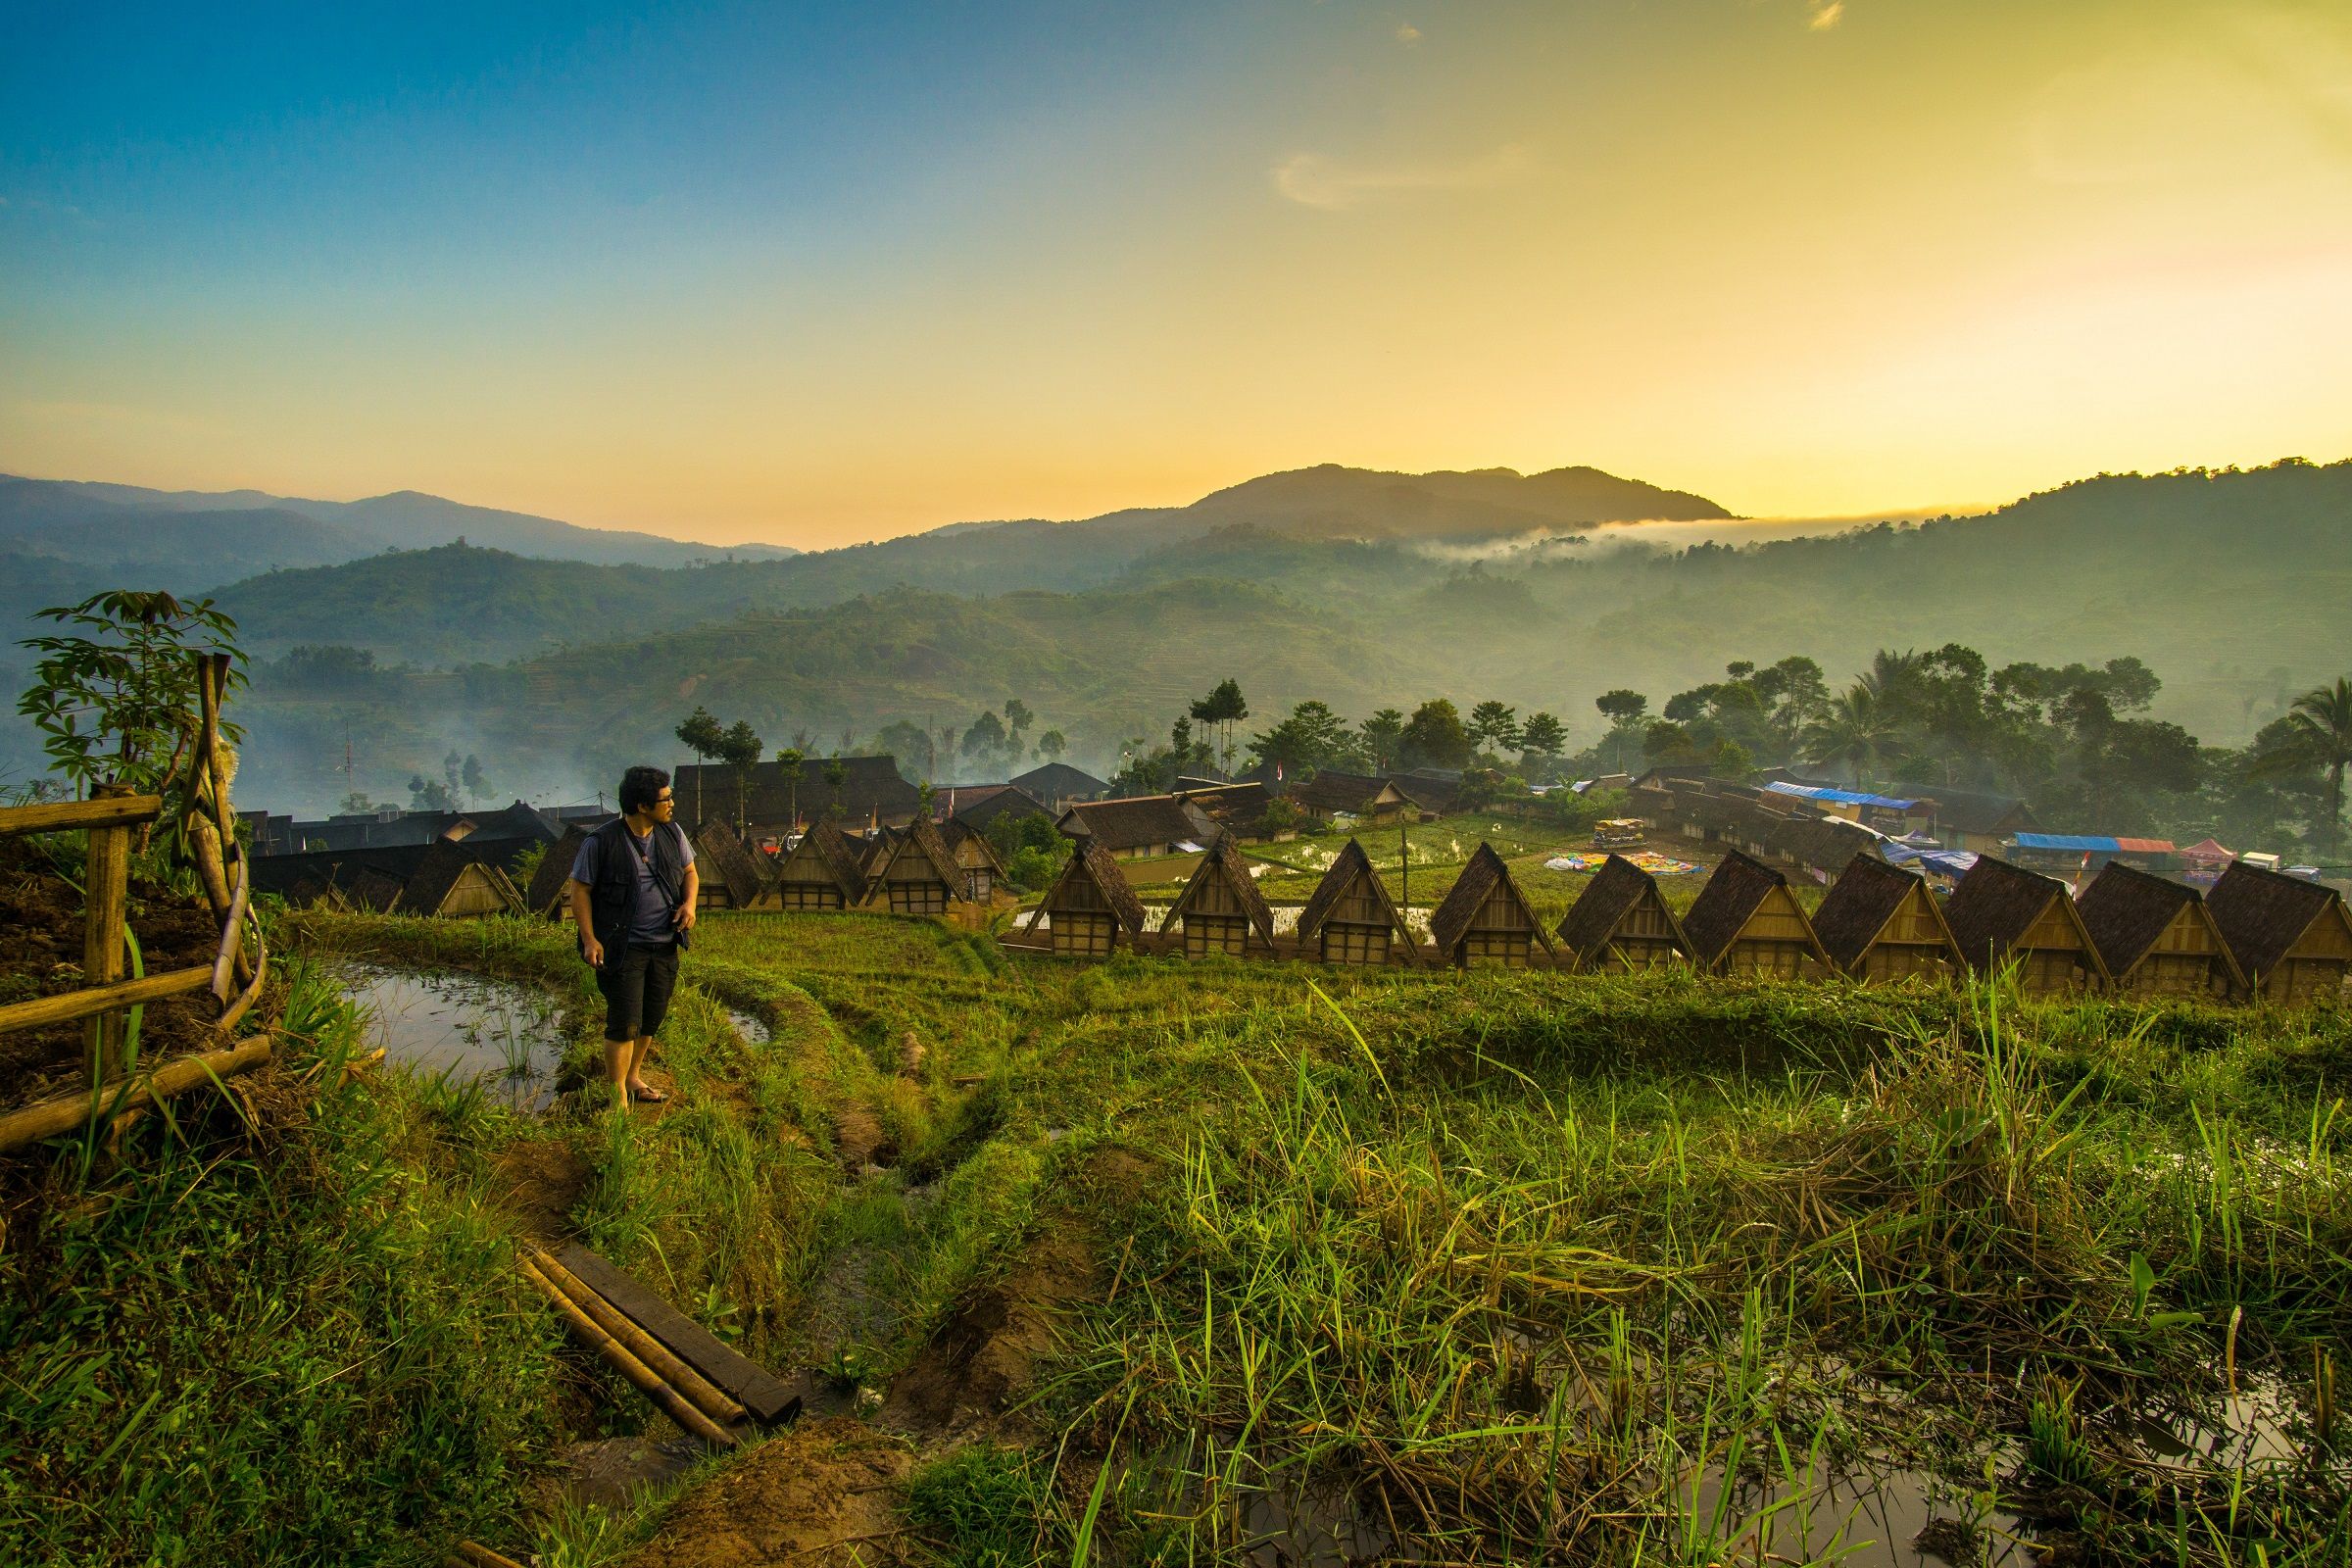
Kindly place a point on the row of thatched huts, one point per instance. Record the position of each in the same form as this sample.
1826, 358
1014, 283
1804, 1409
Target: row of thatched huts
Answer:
446, 877
2256, 933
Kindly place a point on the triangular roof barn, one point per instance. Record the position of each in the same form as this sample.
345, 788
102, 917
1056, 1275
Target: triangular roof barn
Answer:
1091, 907
1484, 917
821, 872
2002, 912
2292, 939
1746, 921
1350, 917
1881, 922
1622, 920
1221, 909
2156, 935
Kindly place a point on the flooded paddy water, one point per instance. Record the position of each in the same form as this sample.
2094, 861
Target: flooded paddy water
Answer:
507, 1037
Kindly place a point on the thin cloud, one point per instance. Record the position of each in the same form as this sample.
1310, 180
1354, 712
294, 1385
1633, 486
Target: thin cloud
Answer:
1826, 17
1312, 180
1407, 34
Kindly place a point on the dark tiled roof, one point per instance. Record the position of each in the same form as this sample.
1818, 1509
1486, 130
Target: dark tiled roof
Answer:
1060, 781
871, 789
1481, 876
1137, 821
1606, 901
2262, 914
1224, 863
1334, 791
979, 805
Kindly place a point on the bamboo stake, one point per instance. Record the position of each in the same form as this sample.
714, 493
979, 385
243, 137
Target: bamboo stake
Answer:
50, 1117
674, 1403
707, 1396
232, 947
104, 879
253, 989
58, 816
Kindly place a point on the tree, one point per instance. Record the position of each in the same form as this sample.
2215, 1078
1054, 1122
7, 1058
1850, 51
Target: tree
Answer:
1495, 725
1622, 707
1018, 718
1544, 736
115, 700
701, 734
1433, 737
1858, 732
2316, 733
430, 795
789, 759
902, 738
837, 774
1381, 734
1050, 744
1224, 707
739, 748
356, 803
477, 784
1312, 737
986, 737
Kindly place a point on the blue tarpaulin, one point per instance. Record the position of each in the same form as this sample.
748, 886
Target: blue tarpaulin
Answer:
1822, 792
2070, 843
1951, 862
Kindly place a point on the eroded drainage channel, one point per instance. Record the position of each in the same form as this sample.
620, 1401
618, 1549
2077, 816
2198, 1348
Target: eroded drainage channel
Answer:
504, 1036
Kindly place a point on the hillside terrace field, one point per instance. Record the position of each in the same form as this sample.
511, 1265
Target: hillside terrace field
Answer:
1157, 1261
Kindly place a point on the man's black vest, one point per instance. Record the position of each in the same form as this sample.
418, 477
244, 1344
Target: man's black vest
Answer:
616, 886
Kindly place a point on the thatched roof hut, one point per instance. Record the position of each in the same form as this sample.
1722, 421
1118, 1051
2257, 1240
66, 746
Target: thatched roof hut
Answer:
975, 857
1746, 921
1221, 909
1485, 918
2157, 936
1881, 922
1350, 917
1364, 796
1091, 907
918, 873
822, 871
733, 877
2002, 912
2292, 939
870, 789
450, 881
545, 894
1622, 921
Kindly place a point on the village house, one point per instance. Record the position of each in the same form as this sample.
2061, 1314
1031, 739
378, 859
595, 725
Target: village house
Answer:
2156, 936
1485, 918
1090, 909
2002, 913
1890, 814
732, 877
1622, 921
2070, 854
1138, 826
1220, 910
1879, 923
1350, 917
1746, 921
2292, 939
975, 857
1060, 785
976, 806
451, 881
1236, 808
1971, 820
1371, 800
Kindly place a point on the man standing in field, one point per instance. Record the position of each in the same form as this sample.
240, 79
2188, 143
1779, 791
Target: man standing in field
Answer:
632, 893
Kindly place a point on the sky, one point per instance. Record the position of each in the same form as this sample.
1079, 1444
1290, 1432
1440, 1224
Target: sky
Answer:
813, 274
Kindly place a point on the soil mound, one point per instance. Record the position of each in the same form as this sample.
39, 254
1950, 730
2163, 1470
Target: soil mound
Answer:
41, 955
818, 1497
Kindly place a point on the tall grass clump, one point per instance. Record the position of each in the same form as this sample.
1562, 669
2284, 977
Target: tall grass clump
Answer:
260, 1335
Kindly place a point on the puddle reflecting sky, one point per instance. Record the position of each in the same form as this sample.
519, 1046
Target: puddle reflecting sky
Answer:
506, 1035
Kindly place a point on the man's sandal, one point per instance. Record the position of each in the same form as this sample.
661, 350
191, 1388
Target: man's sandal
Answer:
651, 1097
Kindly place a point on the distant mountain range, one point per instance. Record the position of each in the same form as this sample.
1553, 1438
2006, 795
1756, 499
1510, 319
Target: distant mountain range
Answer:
227, 534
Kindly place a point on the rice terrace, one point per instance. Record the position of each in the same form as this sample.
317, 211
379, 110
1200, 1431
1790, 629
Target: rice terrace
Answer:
1278, 786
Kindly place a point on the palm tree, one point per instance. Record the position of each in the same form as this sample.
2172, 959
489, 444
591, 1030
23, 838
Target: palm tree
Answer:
1857, 730
2316, 734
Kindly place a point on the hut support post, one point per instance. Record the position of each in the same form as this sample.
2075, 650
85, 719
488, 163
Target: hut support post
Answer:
104, 879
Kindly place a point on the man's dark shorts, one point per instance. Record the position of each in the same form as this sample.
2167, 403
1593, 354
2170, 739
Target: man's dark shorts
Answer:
636, 987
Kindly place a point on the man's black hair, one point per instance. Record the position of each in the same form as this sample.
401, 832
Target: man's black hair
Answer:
640, 787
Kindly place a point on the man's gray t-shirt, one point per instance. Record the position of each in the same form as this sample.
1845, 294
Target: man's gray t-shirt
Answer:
648, 912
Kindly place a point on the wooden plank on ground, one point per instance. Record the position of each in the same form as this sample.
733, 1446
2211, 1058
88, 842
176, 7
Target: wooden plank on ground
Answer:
751, 1385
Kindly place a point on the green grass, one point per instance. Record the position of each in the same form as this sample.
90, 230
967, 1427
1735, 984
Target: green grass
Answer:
1502, 1266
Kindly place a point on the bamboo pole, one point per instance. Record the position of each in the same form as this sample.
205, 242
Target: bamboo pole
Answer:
50, 1117
674, 1403
58, 816
707, 1397
106, 876
253, 988
204, 837
231, 945
43, 1011
473, 1554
